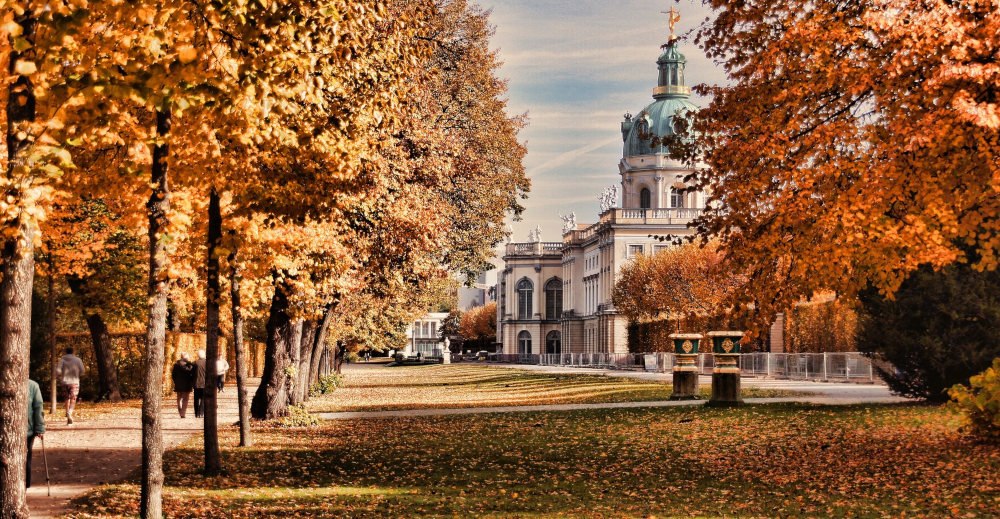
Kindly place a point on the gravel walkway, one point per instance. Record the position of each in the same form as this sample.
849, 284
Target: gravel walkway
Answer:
105, 449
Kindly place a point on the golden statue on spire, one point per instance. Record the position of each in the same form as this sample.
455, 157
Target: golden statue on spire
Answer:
673, 16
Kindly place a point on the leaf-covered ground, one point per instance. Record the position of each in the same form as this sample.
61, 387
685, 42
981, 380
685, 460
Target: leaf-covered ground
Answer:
380, 388
763, 461
87, 410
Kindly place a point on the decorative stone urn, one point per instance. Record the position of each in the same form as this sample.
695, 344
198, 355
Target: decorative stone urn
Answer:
726, 391
685, 370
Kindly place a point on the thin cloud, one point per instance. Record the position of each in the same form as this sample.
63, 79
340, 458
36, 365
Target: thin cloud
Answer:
567, 157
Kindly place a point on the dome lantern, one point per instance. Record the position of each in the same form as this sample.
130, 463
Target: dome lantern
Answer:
670, 83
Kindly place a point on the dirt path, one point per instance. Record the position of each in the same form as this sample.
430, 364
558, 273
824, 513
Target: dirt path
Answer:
105, 449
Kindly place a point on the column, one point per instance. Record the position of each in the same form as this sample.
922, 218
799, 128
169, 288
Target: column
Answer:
659, 191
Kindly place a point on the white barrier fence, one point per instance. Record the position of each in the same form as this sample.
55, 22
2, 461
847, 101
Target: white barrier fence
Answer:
796, 366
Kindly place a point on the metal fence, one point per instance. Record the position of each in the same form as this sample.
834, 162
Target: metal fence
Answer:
810, 366
796, 366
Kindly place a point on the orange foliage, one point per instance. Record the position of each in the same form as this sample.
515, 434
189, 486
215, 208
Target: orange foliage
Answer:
479, 323
677, 283
852, 143
821, 325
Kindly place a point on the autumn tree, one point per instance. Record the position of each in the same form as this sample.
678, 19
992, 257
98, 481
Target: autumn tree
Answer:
851, 144
680, 283
39, 52
173, 57
462, 115
432, 202
100, 257
479, 326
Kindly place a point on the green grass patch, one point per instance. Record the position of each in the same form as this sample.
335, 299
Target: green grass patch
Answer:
456, 385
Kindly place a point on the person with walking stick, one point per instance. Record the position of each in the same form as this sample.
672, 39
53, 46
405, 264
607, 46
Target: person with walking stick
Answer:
36, 425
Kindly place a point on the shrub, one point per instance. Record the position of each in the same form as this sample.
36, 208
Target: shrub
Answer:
942, 328
980, 403
326, 385
351, 357
298, 417
822, 325
652, 336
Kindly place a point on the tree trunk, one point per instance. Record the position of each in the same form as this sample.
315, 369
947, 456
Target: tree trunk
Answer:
18, 270
157, 208
324, 362
305, 358
107, 373
213, 464
50, 304
15, 337
338, 357
271, 399
294, 359
241, 363
319, 342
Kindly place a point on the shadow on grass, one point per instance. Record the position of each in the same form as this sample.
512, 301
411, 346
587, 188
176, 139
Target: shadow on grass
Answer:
759, 460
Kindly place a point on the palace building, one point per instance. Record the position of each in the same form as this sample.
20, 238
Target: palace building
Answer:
555, 297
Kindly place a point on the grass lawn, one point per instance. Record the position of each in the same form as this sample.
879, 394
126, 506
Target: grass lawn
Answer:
458, 385
762, 461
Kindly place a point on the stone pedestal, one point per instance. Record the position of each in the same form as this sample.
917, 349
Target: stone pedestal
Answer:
726, 390
685, 385
726, 387
685, 370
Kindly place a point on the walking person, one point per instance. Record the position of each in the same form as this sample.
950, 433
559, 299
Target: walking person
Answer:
36, 424
183, 376
199, 385
69, 370
221, 367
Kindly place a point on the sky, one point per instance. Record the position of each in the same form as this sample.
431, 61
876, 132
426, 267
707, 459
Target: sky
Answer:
575, 67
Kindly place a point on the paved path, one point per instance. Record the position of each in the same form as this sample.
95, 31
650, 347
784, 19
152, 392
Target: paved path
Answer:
103, 450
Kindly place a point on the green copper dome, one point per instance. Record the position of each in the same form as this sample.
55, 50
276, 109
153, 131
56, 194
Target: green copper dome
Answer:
656, 120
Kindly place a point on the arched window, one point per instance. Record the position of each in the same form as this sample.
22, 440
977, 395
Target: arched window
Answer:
524, 342
676, 198
644, 199
524, 289
553, 343
553, 298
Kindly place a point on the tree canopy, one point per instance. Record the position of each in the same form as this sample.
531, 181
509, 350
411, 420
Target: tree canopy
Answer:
329, 161
853, 142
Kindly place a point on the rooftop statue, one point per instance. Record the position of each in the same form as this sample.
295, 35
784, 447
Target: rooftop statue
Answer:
569, 222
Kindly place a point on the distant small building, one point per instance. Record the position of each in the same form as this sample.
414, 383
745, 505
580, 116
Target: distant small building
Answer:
423, 336
476, 295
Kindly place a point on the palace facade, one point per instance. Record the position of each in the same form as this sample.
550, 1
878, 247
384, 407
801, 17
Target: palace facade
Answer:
555, 297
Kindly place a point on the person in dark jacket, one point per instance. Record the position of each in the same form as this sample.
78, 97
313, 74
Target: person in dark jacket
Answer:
36, 424
183, 376
199, 385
